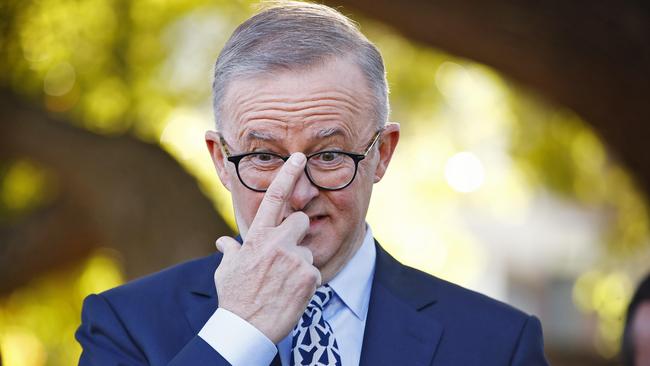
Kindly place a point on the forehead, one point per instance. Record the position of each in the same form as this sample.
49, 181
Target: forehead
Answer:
327, 100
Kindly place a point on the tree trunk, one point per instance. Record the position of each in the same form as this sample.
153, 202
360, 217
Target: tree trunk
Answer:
114, 192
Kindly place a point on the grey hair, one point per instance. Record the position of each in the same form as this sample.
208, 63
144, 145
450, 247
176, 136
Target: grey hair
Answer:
290, 35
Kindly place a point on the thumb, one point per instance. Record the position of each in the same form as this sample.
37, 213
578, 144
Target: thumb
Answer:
227, 245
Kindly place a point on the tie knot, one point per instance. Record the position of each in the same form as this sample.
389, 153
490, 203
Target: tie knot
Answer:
322, 295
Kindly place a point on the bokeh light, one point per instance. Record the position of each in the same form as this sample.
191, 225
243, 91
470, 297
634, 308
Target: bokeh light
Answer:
490, 187
464, 172
38, 321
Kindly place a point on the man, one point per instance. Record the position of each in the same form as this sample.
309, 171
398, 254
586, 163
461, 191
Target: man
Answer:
301, 105
636, 334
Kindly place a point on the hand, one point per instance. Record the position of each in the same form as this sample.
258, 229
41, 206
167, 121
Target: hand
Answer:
269, 280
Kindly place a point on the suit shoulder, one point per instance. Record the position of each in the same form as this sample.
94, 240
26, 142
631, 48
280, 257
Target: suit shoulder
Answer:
493, 329
168, 281
422, 290
456, 298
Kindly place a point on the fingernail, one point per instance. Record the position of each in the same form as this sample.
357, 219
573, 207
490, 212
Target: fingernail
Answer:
218, 244
297, 159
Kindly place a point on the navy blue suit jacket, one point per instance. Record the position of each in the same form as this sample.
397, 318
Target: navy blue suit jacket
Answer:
413, 319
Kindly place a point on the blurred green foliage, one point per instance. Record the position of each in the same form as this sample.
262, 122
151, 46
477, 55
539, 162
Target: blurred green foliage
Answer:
123, 67
37, 323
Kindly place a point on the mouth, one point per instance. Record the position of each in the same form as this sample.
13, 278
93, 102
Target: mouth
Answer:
316, 220
315, 223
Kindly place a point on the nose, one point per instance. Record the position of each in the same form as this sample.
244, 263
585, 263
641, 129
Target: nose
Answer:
303, 192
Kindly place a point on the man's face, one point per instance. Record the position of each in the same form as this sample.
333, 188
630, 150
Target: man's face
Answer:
327, 107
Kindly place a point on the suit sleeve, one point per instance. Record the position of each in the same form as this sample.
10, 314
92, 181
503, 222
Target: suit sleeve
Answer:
529, 350
106, 342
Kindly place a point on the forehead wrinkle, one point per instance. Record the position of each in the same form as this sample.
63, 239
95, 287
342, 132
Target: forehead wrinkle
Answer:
318, 114
262, 131
250, 100
282, 109
286, 111
323, 117
349, 102
287, 120
302, 118
293, 94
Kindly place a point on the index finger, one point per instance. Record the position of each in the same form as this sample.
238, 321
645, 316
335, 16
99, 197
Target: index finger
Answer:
268, 214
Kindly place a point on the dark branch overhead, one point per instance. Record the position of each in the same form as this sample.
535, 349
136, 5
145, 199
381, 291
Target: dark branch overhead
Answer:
116, 192
593, 57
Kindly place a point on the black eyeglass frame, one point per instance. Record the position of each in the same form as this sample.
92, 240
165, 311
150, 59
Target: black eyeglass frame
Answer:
235, 159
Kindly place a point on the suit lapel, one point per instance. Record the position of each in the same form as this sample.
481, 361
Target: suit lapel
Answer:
202, 301
397, 331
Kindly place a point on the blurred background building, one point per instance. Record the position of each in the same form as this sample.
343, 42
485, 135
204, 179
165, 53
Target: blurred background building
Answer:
522, 171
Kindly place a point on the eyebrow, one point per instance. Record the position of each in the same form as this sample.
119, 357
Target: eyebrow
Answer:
259, 135
318, 135
328, 132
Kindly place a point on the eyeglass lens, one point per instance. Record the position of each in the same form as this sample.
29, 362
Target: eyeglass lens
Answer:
329, 170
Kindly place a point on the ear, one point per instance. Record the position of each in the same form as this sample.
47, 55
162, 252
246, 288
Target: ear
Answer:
216, 153
388, 143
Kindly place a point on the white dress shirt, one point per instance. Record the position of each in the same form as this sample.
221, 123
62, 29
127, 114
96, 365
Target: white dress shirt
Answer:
240, 343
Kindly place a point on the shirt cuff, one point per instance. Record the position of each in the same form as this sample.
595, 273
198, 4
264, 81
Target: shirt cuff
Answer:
236, 340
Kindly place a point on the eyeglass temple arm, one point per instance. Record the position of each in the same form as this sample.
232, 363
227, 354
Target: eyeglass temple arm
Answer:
374, 140
224, 146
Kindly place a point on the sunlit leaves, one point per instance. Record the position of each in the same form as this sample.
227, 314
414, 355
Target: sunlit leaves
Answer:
38, 321
144, 67
24, 186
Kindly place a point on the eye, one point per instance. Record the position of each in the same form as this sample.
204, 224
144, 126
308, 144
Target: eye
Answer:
328, 156
328, 159
264, 157
264, 161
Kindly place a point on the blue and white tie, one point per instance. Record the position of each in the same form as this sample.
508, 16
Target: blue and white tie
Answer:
313, 341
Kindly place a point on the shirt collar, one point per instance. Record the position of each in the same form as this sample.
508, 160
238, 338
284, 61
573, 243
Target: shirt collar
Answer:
353, 282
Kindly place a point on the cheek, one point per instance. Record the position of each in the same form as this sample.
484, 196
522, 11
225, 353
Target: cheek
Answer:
349, 204
362, 186
343, 202
245, 204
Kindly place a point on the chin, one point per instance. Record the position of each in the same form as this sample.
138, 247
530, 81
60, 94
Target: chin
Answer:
319, 248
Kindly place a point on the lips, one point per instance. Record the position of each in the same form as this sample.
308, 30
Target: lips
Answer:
313, 219
316, 221
316, 218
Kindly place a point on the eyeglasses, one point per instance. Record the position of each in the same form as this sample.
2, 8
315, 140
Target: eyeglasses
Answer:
330, 170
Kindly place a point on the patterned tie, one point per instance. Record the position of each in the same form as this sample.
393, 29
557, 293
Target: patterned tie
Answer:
313, 341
